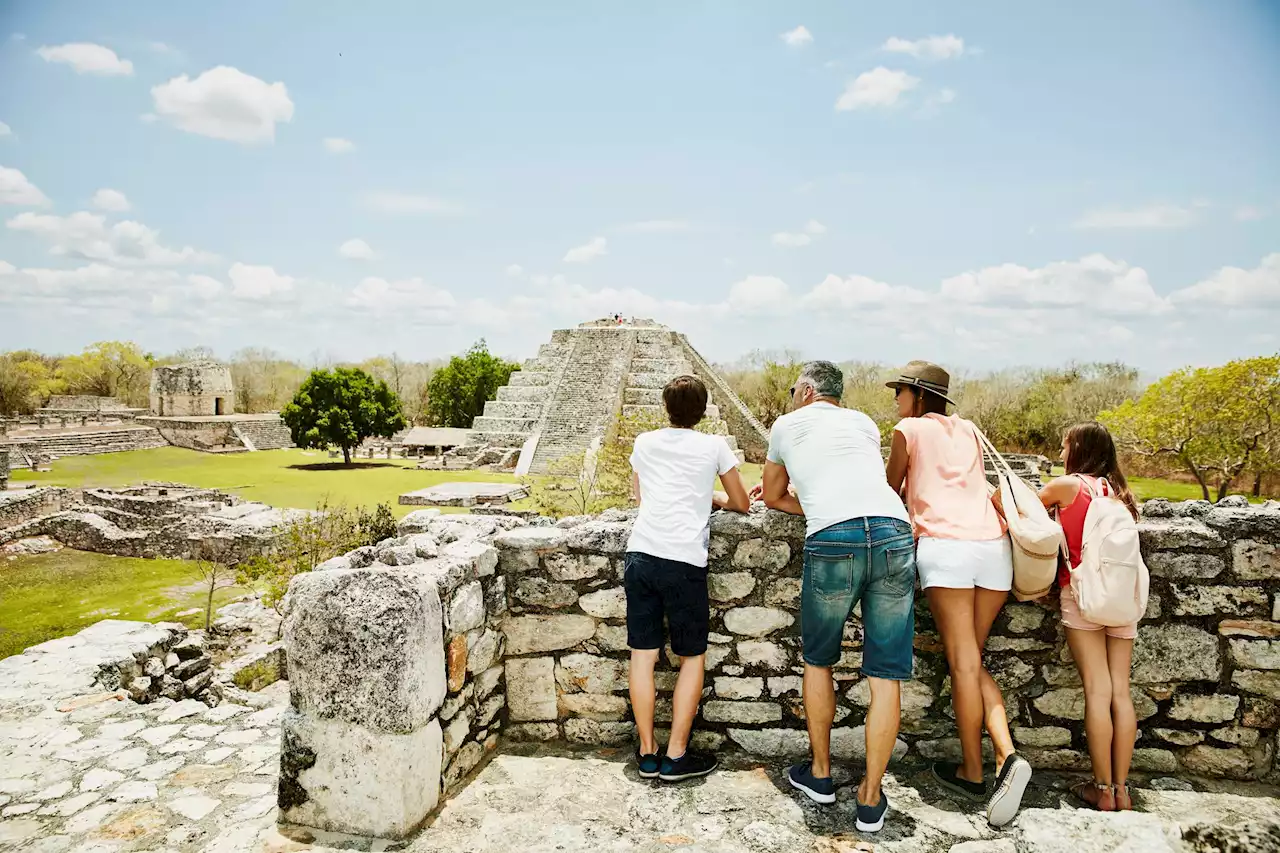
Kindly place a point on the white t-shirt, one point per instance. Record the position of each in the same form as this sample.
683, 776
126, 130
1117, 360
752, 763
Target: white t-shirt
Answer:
832, 456
678, 470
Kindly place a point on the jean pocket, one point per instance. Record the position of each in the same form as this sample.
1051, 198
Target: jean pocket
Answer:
895, 573
829, 575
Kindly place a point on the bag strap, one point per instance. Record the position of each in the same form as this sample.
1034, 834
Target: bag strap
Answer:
988, 449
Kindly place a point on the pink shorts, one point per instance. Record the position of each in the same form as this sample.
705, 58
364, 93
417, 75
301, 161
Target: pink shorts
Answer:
1072, 618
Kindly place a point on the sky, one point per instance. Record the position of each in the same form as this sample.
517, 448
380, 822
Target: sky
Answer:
985, 185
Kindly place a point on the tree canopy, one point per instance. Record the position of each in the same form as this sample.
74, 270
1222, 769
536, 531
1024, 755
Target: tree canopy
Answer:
341, 408
458, 391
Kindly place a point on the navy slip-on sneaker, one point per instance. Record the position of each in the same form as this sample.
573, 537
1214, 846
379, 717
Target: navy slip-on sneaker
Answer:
819, 790
647, 765
1010, 786
947, 774
871, 818
688, 766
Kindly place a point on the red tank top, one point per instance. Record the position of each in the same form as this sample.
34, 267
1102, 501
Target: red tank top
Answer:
1071, 517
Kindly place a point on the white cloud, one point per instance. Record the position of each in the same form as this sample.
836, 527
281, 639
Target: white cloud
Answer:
1234, 287
5, 130
204, 286
107, 199
879, 87
834, 293
813, 226
935, 101
1151, 216
395, 202
224, 103
515, 270
949, 46
87, 235
657, 226
163, 49
338, 145
588, 251
798, 37
257, 282
423, 302
1095, 281
16, 189
1249, 213
789, 240
758, 295
356, 249
88, 59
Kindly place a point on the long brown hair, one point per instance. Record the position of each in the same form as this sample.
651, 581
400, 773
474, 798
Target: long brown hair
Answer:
1091, 451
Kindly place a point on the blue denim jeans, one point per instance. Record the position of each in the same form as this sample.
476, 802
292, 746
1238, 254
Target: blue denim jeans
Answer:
871, 560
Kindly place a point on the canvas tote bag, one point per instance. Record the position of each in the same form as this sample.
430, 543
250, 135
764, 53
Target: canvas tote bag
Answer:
1037, 538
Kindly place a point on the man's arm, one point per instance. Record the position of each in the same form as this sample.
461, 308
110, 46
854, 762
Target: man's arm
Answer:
776, 494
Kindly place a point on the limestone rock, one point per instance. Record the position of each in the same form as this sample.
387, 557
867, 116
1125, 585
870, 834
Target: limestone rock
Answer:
1175, 652
483, 653
783, 592
1237, 736
717, 711
534, 732
1259, 837
1043, 736
772, 743
466, 610
757, 621
536, 541
1067, 703
598, 733
1253, 628
763, 653
851, 744
606, 603
417, 521
576, 567
583, 673
1154, 760
736, 524
1175, 533
531, 689
541, 592
534, 634
783, 525
1168, 564
611, 638
594, 706
1179, 737
600, 537
1078, 831
384, 624
1262, 683
487, 681
739, 688
1194, 600
456, 663
1212, 761
730, 586
1212, 708
1256, 654
768, 554
1024, 617
482, 557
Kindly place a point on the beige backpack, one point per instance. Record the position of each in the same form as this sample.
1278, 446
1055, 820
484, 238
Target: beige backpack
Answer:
1112, 583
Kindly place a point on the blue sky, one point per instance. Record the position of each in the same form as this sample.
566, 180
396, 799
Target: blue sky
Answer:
986, 184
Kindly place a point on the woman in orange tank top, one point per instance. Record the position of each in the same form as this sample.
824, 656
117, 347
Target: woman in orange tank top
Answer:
1103, 655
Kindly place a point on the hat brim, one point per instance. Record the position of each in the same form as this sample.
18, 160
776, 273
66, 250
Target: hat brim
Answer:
898, 383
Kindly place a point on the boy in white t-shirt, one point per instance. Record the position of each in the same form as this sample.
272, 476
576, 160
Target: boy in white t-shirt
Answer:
673, 473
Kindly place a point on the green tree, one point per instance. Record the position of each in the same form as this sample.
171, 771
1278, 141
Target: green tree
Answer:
1212, 420
26, 380
342, 407
110, 369
458, 391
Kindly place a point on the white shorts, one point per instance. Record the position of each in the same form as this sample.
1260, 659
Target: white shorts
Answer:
965, 563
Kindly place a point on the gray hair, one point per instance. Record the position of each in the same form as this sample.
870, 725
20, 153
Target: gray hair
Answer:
827, 379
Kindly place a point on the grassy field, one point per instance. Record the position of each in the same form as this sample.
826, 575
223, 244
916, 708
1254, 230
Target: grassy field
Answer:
282, 478
1146, 488
44, 596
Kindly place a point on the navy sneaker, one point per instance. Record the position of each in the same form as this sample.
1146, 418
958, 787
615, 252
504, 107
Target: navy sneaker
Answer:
948, 775
871, 818
647, 765
1011, 784
688, 766
819, 790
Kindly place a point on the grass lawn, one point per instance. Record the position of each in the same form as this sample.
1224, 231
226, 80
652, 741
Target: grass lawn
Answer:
1146, 488
43, 596
281, 478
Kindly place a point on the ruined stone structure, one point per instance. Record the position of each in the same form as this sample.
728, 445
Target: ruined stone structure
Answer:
196, 388
568, 396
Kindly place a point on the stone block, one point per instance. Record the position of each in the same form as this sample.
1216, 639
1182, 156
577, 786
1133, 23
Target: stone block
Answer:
1255, 654
1176, 566
600, 537
717, 711
534, 634
1055, 759
718, 548
481, 556
611, 638
456, 663
575, 567
535, 541
783, 525
366, 646
1179, 737
767, 554
593, 706
1260, 713
1262, 683
424, 545
606, 603
531, 689
1193, 600
1255, 561
739, 688
455, 734
418, 521
598, 733
583, 673
783, 592
488, 680
772, 743
1175, 652
533, 732
736, 524
1024, 617
466, 610
541, 592
1042, 736
1169, 534
342, 777
781, 685
765, 654
1236, 736
1230, 762
916, 696
1151, 760
1212, 708
730, 586
757, 621
850, 743
1016, 644
1067, 703
462, 764
483, 652
1254, 628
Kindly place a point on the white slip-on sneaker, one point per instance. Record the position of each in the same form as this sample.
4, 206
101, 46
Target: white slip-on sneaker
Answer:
1010, 786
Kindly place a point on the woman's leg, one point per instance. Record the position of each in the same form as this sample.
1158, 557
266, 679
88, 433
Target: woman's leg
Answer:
953, 611
1124, 721
986, 607
1089, 648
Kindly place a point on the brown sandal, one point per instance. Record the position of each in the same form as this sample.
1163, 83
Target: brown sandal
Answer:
1095, 794
1123, 799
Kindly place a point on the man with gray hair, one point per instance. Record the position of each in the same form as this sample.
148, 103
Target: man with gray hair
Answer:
858, 547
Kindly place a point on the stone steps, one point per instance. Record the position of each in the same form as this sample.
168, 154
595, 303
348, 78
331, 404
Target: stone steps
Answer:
525, 378
266, 435
89, 444
487, 424
543, 363
656, 381
504, 409
523, 394
642, 397
659, 411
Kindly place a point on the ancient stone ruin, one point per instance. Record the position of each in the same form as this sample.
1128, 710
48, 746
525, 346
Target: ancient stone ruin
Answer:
568, 396
194, 388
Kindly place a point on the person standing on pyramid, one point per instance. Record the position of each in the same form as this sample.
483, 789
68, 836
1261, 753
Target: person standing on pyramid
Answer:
673, 474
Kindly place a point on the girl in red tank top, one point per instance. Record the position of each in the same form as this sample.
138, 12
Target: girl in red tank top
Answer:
1103, 655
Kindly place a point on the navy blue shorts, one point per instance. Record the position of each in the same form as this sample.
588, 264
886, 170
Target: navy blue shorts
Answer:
657, 588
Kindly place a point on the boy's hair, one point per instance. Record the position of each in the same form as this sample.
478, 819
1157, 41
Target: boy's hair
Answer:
686, 400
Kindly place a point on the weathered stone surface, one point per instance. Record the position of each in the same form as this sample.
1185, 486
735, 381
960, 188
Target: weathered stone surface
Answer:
456, 663
1176, 533
1213, 761
594, 706
730, 586
768, 554
1262, 683
851, 744
1179, 737
541, 592
462, 764
535, 540
483, 651
783, 592
1236, 736
456, 732
737, 524
576, 567
535, 732
1255, 628
386, 625
717, 711
757, 621
531, 689
417, 521
482, 557
1255, 561
488, 680
597, 732
583, 673
1043, 736
611, 638
772, 743
763, 653
782, 525
1024, 617
1151, 760
1067, 703
600, 537
916, 696
1213, 708
466, 610
1175, 652
1194, 600
1016, 644
1175, 566
1077, 831
533, 634
1256, 654
606, 603
739, 688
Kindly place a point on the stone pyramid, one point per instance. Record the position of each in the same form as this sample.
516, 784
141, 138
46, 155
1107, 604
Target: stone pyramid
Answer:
566, 397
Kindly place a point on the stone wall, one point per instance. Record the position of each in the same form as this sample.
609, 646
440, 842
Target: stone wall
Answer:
1206, 663
197, 388
19, 508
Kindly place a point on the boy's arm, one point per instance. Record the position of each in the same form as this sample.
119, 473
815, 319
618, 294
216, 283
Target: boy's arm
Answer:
635, 488
735, 497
